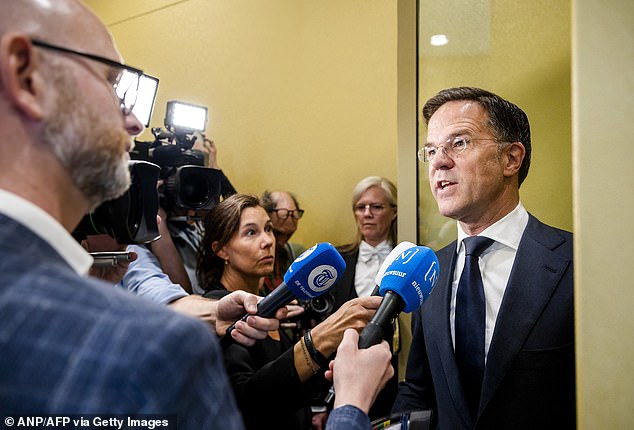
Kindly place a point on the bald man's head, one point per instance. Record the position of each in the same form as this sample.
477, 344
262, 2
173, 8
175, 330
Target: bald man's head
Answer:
63, 22
59, 103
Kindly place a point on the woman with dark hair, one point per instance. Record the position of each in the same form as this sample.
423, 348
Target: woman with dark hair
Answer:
240, 228
271, 380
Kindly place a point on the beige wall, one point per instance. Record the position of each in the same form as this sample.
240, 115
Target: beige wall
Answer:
603, 106
301, 94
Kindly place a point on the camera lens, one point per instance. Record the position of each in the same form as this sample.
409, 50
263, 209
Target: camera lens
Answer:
194, 189
321, 305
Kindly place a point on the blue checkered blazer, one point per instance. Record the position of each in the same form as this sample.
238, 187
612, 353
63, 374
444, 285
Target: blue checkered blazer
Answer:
74, 345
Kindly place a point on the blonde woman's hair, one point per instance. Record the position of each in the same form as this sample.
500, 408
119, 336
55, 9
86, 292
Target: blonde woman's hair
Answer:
391, 195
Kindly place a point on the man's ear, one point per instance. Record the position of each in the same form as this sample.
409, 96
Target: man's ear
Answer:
20, 75
514, 154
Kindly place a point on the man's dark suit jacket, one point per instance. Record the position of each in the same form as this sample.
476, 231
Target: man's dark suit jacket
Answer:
75, 345
529, 379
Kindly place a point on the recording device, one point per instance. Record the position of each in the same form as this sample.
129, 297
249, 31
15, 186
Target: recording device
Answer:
409, 274
411, 420
312, 274
315, 311
110, 259
130, 218
405, 285
188, 184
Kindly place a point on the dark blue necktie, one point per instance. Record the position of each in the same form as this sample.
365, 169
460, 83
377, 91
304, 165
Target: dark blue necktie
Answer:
470, 321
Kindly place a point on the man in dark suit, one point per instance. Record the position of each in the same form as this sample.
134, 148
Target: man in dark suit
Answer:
71, 344
512, 365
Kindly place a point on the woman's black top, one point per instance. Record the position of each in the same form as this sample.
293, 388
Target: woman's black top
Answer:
264, 380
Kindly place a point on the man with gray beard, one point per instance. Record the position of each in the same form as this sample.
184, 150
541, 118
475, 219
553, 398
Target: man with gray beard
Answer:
95, 155
71, 344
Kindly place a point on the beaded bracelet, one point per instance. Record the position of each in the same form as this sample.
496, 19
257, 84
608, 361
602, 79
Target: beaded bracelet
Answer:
309, 362
316, 355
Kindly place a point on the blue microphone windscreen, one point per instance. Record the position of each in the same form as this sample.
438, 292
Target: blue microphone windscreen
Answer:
412, 275
315, 271
394, 253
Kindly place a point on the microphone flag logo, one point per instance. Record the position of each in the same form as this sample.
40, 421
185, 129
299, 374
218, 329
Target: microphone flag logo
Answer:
322, 278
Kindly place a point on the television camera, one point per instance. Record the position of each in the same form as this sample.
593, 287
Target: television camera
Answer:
187, 184
130, 218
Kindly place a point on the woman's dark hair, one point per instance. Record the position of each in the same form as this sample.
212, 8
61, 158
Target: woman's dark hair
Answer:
220, 224
507, 121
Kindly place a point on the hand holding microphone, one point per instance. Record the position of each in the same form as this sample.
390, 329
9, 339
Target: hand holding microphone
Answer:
405, 285
405, 280
312, 274
359, 388
355, 313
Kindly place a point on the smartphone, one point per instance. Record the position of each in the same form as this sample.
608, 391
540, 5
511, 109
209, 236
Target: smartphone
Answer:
110, 259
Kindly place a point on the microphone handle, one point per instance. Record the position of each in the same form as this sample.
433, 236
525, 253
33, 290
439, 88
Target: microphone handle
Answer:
279, 297
266, 307
372, 334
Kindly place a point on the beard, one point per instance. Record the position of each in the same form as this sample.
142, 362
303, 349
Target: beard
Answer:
92, 152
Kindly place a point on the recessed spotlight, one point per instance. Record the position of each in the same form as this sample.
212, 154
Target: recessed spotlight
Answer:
439, 40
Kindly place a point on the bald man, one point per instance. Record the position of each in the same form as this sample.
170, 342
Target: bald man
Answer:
71, 344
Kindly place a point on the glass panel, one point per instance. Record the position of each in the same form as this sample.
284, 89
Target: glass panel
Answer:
521, 51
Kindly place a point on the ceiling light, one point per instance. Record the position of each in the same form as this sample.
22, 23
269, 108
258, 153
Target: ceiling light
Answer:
439, 40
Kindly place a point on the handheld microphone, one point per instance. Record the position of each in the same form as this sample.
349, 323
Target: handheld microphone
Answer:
394, 253
405, 280
313, 273
405, 285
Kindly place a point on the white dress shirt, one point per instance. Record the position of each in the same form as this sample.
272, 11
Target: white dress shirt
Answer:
495, 263
368, 264
48, 228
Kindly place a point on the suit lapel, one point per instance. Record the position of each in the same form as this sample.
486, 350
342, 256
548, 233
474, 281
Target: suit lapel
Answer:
536, 273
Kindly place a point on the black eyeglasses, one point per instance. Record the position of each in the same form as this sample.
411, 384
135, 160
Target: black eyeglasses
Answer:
125, 84
285, 213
